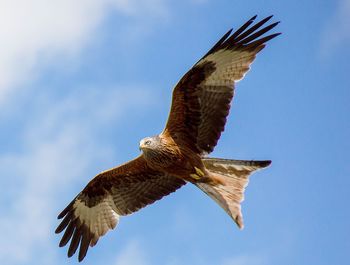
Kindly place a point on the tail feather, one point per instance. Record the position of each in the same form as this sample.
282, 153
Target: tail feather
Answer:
229, 179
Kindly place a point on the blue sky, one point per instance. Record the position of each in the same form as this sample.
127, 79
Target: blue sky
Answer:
82, 82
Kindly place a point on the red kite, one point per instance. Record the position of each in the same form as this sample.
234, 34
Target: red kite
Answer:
200, 104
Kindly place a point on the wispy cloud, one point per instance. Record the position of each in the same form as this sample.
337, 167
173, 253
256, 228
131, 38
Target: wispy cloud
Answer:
58, 146
57, 141
36, 174
337, 30
34, 32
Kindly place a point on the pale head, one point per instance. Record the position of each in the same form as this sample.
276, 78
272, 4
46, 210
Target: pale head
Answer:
149, 143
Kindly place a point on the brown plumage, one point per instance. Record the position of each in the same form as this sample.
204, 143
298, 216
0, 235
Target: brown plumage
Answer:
200, 105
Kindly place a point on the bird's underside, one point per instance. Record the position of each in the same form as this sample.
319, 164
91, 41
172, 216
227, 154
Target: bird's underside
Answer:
200, 105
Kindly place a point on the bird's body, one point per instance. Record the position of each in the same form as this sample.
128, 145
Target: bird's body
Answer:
178, 155
170, 157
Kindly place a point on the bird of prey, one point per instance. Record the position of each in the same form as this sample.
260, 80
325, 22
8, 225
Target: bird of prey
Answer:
200, 105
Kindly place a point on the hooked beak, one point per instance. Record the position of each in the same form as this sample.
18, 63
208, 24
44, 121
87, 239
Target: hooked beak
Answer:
141, 145
144, 144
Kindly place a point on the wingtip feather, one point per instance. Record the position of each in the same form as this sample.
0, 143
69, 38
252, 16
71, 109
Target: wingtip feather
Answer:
253, 18
265, 163
66, 210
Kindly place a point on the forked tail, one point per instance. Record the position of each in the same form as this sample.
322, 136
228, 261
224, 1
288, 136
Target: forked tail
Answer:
229, 179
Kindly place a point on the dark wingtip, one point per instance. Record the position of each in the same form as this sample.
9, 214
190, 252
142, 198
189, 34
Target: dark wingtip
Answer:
62, 244
74, 244
61, 215
67, 234
58, 230
265, 163
253, 18
243, 36
223, 38
82, 255
263, 21
71, 252
85, 243
66, 210
64, 223
267, 18
275, 24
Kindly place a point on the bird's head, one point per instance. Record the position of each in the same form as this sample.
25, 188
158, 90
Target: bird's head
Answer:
149, 143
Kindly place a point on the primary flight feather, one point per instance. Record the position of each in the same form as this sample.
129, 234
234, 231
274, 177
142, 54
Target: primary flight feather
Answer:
200, 105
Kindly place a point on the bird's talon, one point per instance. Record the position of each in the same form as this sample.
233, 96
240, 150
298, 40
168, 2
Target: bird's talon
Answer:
195, 176
199, 172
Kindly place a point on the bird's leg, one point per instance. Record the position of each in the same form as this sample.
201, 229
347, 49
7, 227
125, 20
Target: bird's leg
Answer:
198, 175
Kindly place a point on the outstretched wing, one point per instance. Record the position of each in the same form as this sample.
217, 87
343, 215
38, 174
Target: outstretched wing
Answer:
201, 100
111, 194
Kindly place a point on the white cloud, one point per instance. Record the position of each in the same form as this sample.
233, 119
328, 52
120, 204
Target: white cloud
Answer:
337, 30
59, 147
34, 31
38, 171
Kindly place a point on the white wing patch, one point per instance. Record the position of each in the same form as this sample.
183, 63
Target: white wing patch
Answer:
231, 66
99, 218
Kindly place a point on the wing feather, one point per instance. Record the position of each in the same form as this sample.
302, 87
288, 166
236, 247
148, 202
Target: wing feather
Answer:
111, 194
202, 98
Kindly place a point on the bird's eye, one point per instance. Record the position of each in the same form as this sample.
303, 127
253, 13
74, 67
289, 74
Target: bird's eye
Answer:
148, 142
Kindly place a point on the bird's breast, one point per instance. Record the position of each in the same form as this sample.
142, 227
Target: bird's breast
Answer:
161, 158
183, 164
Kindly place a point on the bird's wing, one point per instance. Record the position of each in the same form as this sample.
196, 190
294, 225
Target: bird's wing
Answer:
112, 193
202, 98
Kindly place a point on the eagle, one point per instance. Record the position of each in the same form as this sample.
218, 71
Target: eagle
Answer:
179, 154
